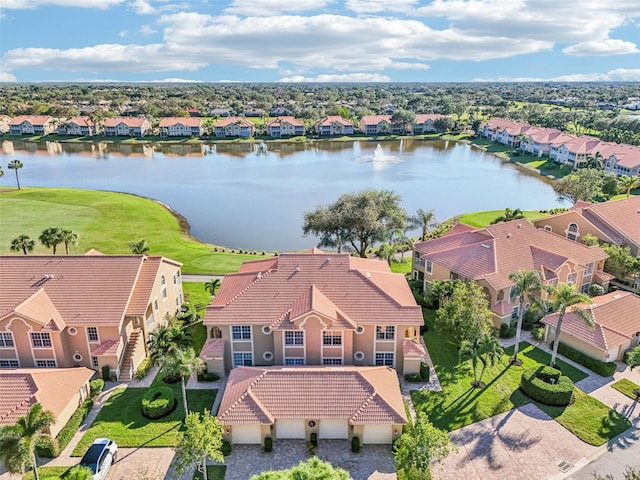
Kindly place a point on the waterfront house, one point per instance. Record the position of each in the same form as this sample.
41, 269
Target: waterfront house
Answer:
78, 126
537, 140
127, 127
31, 125
381, 125
424, 123
181, 127
622, 159
91, 310
234, 127
334, 125
285, 127
488, 255
577, 150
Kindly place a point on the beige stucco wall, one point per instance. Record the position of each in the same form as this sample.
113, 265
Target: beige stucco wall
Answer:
21, 328
560, 224
69, 410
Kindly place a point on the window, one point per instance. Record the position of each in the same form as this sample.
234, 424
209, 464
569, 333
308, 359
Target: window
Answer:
242, 359
331, 338
175, 279
332, 361
589, 269
6, 339
385, 333
294, 361
293, 338
428, 266
241, 332
92, 334
9, 364
548, 228
164, 294
573, 227
77, 357
46, 364
155, 304
40, 339
571, 278
572, 232
384, 359
515, 312
94, 362
584, 288
162, 280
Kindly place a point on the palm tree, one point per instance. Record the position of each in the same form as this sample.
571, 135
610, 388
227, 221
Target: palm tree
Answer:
509, 215
526, 282
626, 184
484, 349
16, 165
165, 340
212, 286
139, 248
69, 237
22, 243
1, 172
424, 220
51, 237
18, 442
183, 362
439, 291
595, 161
561, 298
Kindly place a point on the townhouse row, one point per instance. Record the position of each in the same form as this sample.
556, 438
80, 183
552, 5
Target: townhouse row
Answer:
564, 148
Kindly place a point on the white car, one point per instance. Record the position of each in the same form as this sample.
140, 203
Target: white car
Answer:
101, 455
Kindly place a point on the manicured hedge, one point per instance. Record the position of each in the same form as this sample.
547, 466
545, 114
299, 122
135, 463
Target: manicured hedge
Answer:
225, 448
424, 371
556, 394
158, 402
605, 369
413, 377
207, 377
355, 444
96, 386
73, 425
507, 331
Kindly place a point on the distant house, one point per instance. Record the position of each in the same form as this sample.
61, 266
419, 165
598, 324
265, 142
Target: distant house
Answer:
380, 125
127, 127
280, 112
334, 125
538, 141
5, 120
194, 112
623, 159
388, 109
424, 123
234, 127
181, 127
616, 323
504, 131
254, 112
576, 150
78, 126
285, 127
31, 125
221, 112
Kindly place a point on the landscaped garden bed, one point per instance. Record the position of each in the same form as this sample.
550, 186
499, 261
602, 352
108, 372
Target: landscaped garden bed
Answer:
627, 387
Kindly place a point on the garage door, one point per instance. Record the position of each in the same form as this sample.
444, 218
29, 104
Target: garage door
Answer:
290, 429
246, 434
377, 434
334, 428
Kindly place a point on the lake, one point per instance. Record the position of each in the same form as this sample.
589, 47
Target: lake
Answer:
253, 196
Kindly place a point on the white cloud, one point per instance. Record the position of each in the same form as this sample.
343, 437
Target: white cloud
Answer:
6, 77
273, 7
31, 4
123, 33
377, 6
609, 46
344, 78
108, 80
147, 30
617, 75
142, 7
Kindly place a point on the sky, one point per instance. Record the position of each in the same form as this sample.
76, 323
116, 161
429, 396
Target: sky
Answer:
319, 40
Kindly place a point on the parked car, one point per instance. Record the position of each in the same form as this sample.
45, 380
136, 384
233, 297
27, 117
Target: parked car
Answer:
100, 456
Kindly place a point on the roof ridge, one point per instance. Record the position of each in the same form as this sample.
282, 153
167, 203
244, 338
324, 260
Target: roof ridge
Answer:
242, 397
255, 280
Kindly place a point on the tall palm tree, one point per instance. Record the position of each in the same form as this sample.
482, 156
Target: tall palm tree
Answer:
440, 290
525, 283
183, 362
561, 298
424, 220
16, 165
595, 161
165, 341
484, 349
626, 184
212, 286
139, 248
18, 442
22, 243
68, 237
509, 215
51, 237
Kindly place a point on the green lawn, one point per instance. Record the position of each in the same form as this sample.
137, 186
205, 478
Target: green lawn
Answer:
121, 419
195, 293
458, 404
47, 473
198, 336
627, 387
482, 219
214, 472
107, 221
402, 266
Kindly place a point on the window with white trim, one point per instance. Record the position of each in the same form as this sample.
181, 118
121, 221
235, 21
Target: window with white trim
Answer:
9, 364
332, 361
294, 361
515, 312
571, 278
428, 266
589, 269
46, 364
92, 334
6, 339
584, 288
572, 232
242, 359
294, 337
164, 293
384, 359
40, 339
175, 279
162, 280
94, 362
241, 332
155, 304
77, 357
330, 338
385, 333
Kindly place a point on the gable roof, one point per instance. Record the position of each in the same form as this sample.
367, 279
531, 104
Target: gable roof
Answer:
276, 122
331, 119
187, 121
375, 119
340, 287
423, 117
616, 317
83, 121
618, 219
128, 121
231, 120
267, 394
32, 119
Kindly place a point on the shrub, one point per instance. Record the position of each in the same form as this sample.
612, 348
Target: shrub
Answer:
313, 438
187, 313
78, 472
556, 394
106, 373
531, 318
413, 377
95, 387
355, 444
538, 333
225, 448
158, 402
268, 444
171, 378
73, 425
208, 377
596, 290
424, 371
49, 449
144, 368
507, 331
605, 369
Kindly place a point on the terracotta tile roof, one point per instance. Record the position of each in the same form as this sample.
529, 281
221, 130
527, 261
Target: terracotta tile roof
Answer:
616, 319
231, 120
93, 251
52, 387
187, 121
355, 291
459, 228
543, 135
562, 139
32, 119
413, 348
267, 394
144, 286
129, 121
328, 121
108, 347
619, 219
375, 119
584, 145
213, 347
423, 117
285, 119
493, 252
82, 121
39, 308
626, 155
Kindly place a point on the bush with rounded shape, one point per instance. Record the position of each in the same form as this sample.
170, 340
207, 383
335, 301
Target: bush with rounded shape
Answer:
538, 333
96, 386
158, 402
413, 377
355, 444
226, 448
534, 386
268, 444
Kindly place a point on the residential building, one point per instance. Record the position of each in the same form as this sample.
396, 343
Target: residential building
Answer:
488, 255
90, 310
59, 390
503, 131
127, 127
234, 127
285, 127
31, 125
381, 125
577, 150
334, 125
181, 127
78, 126
221, 112
254, 112
537, 141
623, 159
5, 120
616, 326
424, 123
280, 111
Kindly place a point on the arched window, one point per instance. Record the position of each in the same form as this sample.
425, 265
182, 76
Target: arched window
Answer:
572, 232
573, 227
